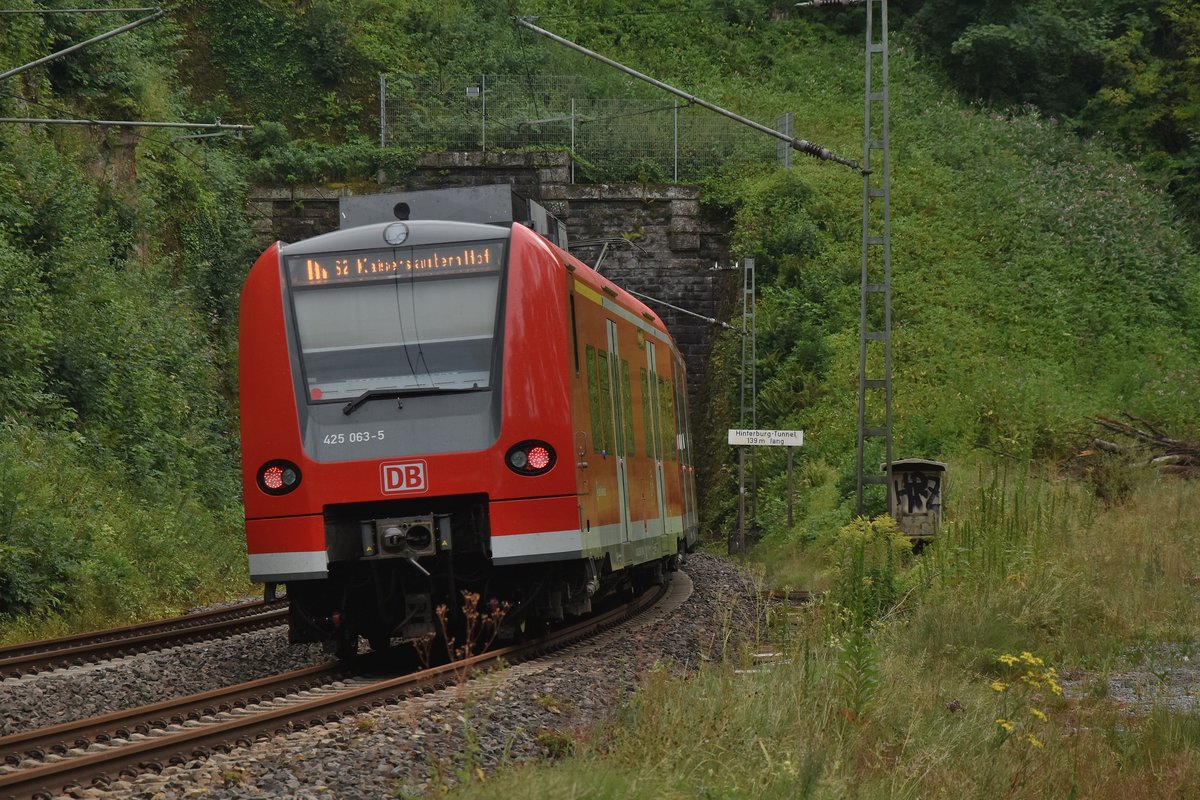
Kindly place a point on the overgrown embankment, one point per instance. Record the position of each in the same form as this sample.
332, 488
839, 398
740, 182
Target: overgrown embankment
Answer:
1037, 282
991, 666
121, 254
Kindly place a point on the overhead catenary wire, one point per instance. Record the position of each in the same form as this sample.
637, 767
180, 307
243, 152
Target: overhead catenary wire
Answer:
125, 123
77, 10
158, 13
677, 308
803, 145
146, 136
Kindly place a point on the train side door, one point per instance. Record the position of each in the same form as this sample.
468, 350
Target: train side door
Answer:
655, 444
620, 442
686, 471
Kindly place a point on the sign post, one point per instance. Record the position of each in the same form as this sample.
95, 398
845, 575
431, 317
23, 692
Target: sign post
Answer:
743, 438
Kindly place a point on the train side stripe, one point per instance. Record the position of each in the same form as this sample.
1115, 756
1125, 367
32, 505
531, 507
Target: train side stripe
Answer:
527, 548
586, 291
518, 548
632, 319
304, 565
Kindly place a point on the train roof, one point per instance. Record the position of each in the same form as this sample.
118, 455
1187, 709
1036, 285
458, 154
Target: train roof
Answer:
594, 280
420, 232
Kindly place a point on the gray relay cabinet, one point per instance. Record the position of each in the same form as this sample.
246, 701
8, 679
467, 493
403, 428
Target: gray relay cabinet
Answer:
915, 496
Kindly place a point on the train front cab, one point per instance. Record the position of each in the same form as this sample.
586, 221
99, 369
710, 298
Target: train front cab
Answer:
374, 496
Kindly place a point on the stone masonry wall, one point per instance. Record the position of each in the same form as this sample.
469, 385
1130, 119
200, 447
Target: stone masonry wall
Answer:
669, 250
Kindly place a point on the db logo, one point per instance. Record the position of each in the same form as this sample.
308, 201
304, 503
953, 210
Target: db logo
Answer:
401, 478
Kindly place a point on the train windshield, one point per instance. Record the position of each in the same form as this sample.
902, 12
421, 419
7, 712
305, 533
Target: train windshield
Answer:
405, 318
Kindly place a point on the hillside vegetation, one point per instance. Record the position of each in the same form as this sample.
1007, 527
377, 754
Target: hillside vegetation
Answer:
120, 258
1041, 279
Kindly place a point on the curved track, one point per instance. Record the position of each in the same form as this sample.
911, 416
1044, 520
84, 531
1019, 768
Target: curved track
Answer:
47, 762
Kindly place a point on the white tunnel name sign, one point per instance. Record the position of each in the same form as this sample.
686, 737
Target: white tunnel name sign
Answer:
775, 438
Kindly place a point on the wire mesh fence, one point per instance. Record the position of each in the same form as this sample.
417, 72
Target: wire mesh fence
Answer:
611, 139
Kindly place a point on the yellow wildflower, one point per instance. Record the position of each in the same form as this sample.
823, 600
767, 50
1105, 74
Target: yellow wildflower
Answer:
1041, 715
1007, 660
1032, 660
1054, 687
1003, 723
1033, 740
999, 686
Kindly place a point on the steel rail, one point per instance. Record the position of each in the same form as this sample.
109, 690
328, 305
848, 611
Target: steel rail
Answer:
176, 747
48, 653
59, 739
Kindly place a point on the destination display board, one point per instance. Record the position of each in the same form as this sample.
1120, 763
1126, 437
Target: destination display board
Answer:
454, 258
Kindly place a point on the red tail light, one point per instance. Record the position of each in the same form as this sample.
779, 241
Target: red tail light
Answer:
530, 458
278, 477
539, 458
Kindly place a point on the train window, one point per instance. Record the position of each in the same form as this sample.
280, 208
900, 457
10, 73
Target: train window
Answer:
431, 329
630, 448
594, 399
647, 422
666, 418
606, 408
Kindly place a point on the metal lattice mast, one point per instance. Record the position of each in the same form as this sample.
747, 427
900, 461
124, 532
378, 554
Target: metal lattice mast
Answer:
749, 416
875, 300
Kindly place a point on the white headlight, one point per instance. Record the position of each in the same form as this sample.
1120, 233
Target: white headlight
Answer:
395, 234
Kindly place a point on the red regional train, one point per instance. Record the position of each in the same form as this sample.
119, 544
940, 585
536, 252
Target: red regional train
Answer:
429, 407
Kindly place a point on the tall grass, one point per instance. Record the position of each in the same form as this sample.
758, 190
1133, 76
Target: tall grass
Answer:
935, 680
1027, 562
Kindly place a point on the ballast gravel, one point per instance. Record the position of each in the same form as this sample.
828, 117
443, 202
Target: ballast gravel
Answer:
72, 693
525, 712
1165, 676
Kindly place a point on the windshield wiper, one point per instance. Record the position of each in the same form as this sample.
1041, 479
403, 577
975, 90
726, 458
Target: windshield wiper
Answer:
411, 391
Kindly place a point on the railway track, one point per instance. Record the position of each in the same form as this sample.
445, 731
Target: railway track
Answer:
34, 657
50, 761
793, 596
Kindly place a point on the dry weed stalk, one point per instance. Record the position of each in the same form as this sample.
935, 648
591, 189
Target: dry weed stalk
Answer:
482, 627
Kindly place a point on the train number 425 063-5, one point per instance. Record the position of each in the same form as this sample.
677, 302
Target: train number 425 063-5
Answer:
354, 437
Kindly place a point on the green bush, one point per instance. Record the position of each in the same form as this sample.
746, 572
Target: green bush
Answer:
869, 556
117, 452
43, 548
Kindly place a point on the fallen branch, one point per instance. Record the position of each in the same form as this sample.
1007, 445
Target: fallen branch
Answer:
1178, 456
